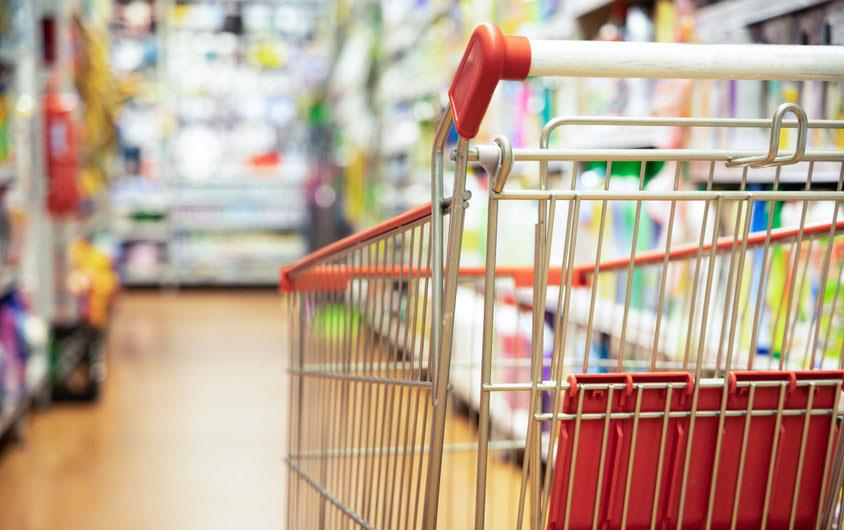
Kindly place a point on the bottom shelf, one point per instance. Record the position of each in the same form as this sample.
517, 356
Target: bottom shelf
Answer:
229, 282
205, 277
37, 370
216, 264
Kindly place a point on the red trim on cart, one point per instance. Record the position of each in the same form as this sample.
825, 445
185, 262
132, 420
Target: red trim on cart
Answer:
755, 239
334, 277
411, 216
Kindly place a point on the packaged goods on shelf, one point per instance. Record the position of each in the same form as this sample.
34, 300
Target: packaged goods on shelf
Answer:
143, 262
22, 371
13, 386
93, 280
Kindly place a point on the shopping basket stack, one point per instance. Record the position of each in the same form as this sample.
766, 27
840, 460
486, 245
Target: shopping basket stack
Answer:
681, 377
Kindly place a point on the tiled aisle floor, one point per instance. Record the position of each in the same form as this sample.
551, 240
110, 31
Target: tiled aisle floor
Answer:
188, 433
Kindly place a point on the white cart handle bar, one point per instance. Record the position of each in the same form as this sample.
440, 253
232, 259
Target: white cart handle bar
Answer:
490, 57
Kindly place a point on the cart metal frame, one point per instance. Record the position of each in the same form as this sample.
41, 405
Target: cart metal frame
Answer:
386, 358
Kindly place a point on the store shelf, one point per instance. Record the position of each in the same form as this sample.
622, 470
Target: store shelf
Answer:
722, 18
142, 232
243, 215
10, 413
8, 175
590, 15
410, 31
227, 275
8, 52
415, 91
37, 371
240, 183
560, 26
227, 281
246, 206
223, 226
142, 281
824, 173
581, 8
8, 280
85, 226
602, 137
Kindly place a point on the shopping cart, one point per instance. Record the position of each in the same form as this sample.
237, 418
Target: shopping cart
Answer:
645, 374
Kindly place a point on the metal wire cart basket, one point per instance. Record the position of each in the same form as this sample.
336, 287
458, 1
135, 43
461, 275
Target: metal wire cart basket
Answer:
685, 379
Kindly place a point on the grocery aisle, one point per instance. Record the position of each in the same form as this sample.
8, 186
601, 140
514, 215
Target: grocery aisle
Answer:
188, 433
582, 346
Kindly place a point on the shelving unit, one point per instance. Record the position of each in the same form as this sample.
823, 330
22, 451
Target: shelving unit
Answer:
718, 20
26, 236
139, 196
589, 15
396, 161
228, 188
581, 8
823, 175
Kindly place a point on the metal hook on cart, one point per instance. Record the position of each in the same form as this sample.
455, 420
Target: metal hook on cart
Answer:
772, 158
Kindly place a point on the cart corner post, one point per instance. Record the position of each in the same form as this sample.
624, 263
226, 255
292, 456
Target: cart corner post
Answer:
489, 58
446, 262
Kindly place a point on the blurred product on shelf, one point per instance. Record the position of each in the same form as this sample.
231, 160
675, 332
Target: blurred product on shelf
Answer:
95, 84
6, 112
14, 354
62, 151
93, 280
144, 263
23, 365
134, 60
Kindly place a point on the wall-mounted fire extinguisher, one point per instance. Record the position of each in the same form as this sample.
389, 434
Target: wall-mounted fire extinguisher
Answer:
62, 152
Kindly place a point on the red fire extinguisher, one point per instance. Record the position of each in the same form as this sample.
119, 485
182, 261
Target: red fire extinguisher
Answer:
62, 158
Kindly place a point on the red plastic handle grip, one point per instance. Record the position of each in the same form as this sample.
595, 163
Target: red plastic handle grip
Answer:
489, 58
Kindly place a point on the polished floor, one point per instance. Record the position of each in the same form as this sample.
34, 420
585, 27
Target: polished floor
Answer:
188, 434
190, 430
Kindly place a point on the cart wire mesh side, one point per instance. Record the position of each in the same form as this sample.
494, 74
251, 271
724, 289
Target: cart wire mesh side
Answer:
361, 382
371, 326
688, 378
668, 354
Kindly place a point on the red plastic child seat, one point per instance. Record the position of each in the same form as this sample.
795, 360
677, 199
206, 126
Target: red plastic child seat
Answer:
772, 461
